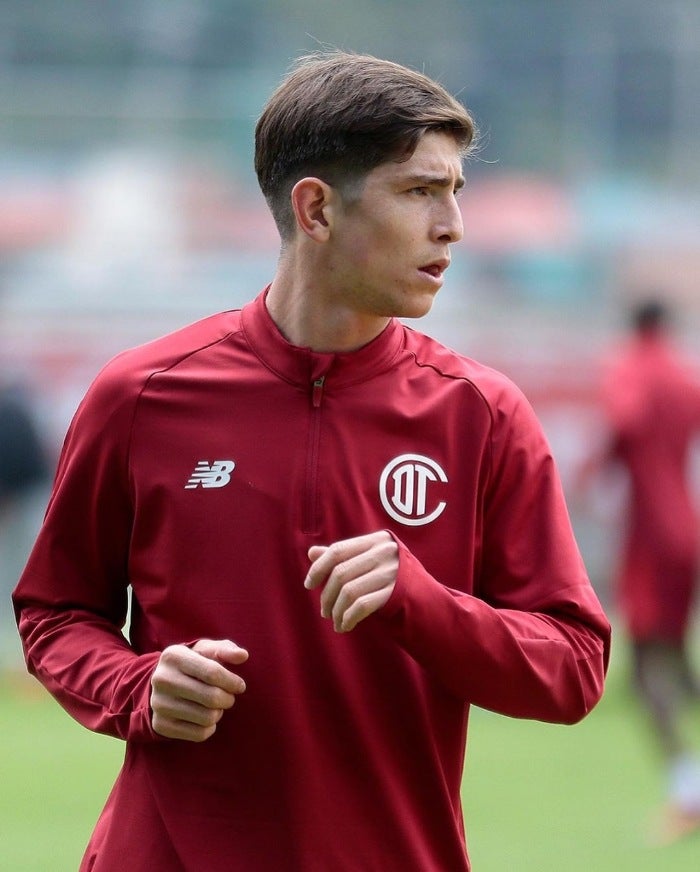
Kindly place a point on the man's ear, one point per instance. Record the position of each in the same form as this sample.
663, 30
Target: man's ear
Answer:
312, 203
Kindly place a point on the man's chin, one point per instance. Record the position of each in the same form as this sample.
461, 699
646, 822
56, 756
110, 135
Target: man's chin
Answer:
418, 308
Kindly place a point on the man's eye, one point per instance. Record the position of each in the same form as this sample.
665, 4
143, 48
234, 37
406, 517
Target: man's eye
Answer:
421, 191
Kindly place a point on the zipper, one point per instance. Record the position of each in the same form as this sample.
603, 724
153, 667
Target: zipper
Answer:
310, 520
317, 391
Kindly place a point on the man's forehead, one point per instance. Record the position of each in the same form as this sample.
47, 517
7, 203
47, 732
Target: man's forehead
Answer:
436, 155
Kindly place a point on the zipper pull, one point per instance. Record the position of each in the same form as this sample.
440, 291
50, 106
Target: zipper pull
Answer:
317, 391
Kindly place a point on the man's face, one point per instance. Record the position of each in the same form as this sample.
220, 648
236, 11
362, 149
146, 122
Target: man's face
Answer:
390, 244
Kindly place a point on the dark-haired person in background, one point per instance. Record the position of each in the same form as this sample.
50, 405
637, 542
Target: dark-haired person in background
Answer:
346, 528
24, 481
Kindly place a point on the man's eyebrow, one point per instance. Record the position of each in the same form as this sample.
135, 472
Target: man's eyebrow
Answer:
427, 179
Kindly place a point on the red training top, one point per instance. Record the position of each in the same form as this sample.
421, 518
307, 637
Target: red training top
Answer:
653, 406
199, 469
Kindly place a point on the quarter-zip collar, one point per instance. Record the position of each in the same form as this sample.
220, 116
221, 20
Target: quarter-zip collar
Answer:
303, 365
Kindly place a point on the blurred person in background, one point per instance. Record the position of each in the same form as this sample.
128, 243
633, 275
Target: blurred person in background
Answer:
347, 529
651, 399
24, 481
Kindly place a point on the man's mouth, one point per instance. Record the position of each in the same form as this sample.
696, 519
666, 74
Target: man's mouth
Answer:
435, 269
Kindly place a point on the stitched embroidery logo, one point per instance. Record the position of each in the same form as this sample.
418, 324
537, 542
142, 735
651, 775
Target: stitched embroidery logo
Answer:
216, 475
404, 489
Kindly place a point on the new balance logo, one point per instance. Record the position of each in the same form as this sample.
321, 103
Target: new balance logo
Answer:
216, 475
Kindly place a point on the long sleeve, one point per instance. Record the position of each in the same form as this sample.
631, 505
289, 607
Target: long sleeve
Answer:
531, 640
88, 666
547, 664
71, 602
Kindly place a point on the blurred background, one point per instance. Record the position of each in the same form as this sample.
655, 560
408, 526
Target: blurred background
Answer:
129, 205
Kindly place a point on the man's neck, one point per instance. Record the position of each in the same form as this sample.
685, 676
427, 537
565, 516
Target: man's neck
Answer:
310, 317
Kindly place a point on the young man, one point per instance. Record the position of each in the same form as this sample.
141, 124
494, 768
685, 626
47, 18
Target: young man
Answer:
338, 533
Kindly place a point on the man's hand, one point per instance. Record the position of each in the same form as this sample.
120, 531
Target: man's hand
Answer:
358, 577
191, 688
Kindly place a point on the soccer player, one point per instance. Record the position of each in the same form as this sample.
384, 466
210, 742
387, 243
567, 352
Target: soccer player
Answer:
652, 402
338, 533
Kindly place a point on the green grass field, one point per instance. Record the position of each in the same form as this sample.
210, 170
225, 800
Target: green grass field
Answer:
538, 798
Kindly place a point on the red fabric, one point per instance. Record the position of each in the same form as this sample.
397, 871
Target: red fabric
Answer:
653, 405
345, 751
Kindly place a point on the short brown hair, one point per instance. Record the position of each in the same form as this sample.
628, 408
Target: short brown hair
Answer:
339, 115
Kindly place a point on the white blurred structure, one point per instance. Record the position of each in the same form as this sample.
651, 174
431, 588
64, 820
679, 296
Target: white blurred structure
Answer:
127, 227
